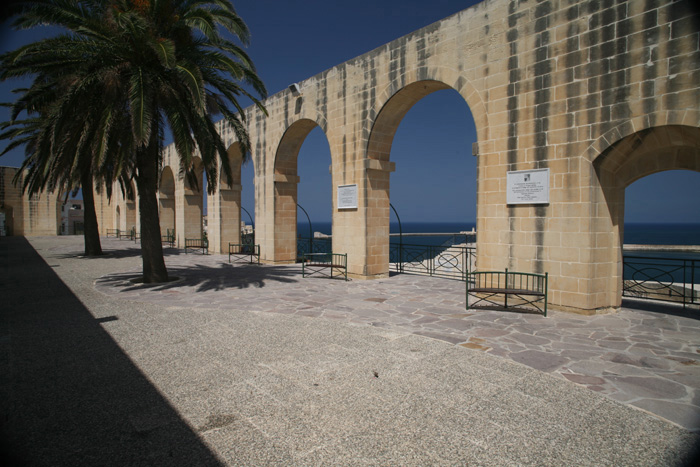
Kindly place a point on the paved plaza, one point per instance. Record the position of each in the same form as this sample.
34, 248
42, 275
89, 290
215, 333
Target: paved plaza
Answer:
253, 365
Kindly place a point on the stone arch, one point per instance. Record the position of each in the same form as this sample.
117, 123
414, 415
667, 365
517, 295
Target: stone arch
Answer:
285, 189
166, 200
599, 147
402, 98
634, 156
193, 201
224, 204
379, 167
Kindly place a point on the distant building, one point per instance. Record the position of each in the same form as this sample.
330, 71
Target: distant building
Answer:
72, 217
246, 229
21, 214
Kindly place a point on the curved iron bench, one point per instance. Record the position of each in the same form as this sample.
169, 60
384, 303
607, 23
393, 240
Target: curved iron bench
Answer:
197, 244
324, 263
530, 289
242, 250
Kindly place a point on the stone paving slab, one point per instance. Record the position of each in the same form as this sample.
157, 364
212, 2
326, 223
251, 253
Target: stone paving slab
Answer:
253, 365
648, 359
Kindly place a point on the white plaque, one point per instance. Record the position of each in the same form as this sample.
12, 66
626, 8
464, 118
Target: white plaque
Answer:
528, 187
347, 196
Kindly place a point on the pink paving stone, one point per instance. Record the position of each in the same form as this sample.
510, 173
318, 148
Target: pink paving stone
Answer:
491, 332
425, 320
542, 361
649, 386
583, 379
530, 339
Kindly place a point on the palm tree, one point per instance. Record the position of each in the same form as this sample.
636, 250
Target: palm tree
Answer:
65, 152
55, 163
157, 64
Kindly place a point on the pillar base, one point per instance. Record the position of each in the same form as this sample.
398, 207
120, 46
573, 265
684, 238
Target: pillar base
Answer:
273, 262
584, 311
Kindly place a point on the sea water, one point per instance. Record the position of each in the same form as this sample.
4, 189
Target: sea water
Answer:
638, 234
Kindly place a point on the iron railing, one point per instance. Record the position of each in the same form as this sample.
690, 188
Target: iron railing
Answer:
313, 245
661, 278
451, 262
248, 238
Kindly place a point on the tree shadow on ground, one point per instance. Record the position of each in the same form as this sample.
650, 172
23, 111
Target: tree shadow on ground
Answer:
69, 395
205, 278
665, 308
128, 250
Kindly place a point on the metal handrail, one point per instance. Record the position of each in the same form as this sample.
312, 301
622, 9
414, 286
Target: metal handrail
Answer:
661, 279
311, 230
452, 262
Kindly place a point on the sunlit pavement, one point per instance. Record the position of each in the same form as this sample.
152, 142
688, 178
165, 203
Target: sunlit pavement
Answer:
392, 370
647, 359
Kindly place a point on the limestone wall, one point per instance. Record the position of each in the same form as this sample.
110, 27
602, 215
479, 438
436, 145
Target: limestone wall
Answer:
27, 215
577, 87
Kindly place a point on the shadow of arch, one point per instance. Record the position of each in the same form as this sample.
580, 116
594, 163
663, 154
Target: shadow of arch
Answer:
285, 198
637, 155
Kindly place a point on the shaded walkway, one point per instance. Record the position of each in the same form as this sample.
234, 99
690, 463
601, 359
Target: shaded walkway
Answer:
70, 395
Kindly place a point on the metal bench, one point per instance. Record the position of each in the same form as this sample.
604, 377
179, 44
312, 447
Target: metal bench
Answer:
324, 264
197, 244
529, 289
113, 233
240, 251
128, 234
168, 238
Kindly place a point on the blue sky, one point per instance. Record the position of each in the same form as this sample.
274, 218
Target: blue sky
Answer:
435, 178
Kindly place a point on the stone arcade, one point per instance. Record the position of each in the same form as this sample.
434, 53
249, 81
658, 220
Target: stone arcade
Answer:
599, 92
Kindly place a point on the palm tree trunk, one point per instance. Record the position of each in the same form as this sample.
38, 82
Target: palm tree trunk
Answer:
91, 231
151, 247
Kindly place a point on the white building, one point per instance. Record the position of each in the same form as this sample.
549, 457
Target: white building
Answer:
72, 217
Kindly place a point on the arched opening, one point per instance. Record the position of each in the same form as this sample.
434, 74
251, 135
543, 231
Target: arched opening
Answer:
248, 205
286, 179
315, 195
435, 177
194, 202
130, 207
166, 199
638, 155
224, 206
674, 206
